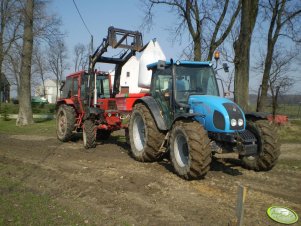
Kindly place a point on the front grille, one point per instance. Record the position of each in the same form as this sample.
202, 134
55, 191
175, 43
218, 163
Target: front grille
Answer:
219, 120
247, 136
248, 142
112, 105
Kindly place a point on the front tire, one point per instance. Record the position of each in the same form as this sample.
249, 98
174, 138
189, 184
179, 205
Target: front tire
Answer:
268, 147
190, 151
145, 137
89, 134
65, 122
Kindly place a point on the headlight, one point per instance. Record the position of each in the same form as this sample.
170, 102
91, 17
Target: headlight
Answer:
109, 114
240, 122
233, 122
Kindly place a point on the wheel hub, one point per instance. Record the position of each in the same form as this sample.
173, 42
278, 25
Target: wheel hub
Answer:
139, 133
181, 150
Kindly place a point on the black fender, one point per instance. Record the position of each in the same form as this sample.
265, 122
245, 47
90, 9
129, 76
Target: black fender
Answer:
185, 116
256, 115
155, 110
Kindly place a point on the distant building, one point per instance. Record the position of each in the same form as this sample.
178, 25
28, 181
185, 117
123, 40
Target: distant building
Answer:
50, 91
4, 89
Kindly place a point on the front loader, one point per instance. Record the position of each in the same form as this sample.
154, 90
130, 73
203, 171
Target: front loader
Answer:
88, 103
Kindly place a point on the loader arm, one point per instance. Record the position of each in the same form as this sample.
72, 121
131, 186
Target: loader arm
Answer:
130, 41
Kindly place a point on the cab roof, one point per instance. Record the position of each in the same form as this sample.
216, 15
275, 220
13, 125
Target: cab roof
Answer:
182, 62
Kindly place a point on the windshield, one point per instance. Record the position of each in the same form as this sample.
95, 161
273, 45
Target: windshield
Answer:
190, 80
103, 86
195, 81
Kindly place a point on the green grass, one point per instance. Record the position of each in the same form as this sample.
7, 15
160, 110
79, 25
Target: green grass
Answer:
36, 108
291, 132
22, 206
293, 111
41, 127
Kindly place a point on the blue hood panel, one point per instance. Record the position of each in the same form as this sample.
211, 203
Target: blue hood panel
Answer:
206, 105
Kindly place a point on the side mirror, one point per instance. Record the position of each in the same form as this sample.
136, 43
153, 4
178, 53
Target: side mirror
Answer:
62, 85
226, 67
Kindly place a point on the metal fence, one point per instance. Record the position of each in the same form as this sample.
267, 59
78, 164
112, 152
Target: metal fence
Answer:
293, 111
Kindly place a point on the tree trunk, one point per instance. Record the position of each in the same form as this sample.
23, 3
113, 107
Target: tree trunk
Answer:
241, 46
2, 26
275, 95
25, 110
273, 34
197, 48
265, 78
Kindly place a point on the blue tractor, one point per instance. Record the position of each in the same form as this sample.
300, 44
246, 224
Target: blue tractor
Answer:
185, 116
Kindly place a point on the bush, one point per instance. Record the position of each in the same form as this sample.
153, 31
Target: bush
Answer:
4, 113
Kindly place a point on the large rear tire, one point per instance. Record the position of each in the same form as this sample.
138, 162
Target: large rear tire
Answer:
89, 134
190, 151
268, 147
145, 137
65, 122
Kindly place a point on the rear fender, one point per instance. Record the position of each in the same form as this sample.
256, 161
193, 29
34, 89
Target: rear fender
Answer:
64, 101
155, 110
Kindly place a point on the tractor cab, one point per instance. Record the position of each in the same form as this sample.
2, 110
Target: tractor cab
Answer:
75, 88
185, 88
191, 78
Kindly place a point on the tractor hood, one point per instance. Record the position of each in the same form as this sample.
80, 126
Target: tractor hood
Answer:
217, 114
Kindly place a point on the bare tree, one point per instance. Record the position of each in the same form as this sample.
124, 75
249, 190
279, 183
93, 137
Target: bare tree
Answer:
45, 28
80, 57
198, 17
13, 64
40, 67
9, 27
25, 110
241, 46
284, 21
280, 79
57, 59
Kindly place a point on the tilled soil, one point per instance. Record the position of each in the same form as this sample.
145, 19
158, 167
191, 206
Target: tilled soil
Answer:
108, 187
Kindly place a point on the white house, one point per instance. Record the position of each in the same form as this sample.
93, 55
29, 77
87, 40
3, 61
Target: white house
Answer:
129, 75
50, 90
134, 74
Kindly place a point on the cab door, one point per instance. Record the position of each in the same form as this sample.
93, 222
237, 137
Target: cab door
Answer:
75, 93
161, 91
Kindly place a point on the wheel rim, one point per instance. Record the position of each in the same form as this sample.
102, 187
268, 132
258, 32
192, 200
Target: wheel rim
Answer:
84, 137
62, 123
139, 132
181, 150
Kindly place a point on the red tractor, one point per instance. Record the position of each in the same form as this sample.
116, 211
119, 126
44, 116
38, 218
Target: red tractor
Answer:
88, 103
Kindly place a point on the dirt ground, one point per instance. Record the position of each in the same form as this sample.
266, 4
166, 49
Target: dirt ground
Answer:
108, 187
